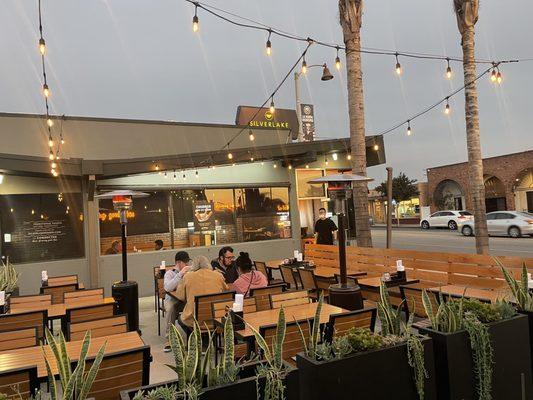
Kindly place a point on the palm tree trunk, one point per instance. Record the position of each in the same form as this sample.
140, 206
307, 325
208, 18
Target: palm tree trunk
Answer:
350, 17
473, 142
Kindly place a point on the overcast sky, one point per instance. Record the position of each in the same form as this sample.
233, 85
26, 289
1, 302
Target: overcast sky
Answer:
140, 59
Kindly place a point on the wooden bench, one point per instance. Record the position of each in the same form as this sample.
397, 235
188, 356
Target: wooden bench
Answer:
292, 344
203, 310
99, 327
31, 319
18, 338
57, 292
262, 295
87, 313
83, 296
288, 299
31, 302
20, 383
63, 280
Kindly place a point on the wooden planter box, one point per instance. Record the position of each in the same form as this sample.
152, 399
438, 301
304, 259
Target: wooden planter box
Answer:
244, 388
382, 374
512, 361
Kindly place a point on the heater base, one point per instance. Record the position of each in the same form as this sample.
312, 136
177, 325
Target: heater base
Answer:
126, 294
347, 297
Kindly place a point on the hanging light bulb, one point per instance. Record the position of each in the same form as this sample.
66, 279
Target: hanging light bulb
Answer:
493, 75
230, 156
349, 157
334, 156
55, 174
307, 166
251, 135
49, 122
304, 66
157, 167
51, 155
196, 174
269, 44
54, 165
376, 147
272, 107
166, 176
42, 46
398, 66
275, 165
448, 69
174, 177
195, 22
290, 166
62, 139
337, 60
251, 158
46, 90
447, 108
409, 132
499, 77
50, 141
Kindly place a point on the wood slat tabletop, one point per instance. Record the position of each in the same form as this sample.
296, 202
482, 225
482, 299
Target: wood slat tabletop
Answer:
30, 356
375, 283
329, 272
60, 310
474, 293
292, 313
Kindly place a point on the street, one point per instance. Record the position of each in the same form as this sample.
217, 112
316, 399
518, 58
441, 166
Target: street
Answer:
450, 241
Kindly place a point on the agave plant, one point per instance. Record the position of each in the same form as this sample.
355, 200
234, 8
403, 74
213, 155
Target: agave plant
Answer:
8, 277
520, 290
75, 384
391, 319
310, 346
449, 316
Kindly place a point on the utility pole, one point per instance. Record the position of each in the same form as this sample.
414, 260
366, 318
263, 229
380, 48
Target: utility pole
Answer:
389, 207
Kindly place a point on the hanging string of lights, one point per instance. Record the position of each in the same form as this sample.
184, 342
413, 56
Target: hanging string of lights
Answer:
54, 155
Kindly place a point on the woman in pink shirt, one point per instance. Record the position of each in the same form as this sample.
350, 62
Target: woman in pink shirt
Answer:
249, 278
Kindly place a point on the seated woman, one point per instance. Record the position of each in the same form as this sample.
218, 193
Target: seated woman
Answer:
249, 278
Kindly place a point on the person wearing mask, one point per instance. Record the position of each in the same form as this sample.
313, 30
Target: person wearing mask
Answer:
158, 245
325, 228
201, 279
248, 277
115, 248
225, 263
172, 278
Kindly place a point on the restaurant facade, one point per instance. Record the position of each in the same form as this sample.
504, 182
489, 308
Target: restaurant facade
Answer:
198, 199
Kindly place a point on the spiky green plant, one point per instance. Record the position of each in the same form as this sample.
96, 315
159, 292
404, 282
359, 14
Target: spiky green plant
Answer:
159, 393
8, 277
391, 319
449, 315
75, 384
311, 345
519, 289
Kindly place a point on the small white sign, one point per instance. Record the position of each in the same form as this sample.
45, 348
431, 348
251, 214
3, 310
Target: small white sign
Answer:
7, 237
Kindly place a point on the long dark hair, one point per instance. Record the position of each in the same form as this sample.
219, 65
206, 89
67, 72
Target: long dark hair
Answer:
244, 263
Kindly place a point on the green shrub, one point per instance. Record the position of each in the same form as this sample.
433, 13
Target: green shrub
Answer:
362, 339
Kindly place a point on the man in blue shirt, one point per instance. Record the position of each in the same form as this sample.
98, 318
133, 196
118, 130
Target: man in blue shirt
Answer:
172, 278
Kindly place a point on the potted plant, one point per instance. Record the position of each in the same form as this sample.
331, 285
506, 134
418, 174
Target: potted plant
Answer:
200, 377
9, 278
481, 350
395, 364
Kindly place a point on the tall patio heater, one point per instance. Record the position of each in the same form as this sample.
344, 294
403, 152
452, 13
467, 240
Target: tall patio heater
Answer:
125, 292
342, 294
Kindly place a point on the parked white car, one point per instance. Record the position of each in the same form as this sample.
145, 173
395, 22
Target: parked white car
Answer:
446, 219
503, 223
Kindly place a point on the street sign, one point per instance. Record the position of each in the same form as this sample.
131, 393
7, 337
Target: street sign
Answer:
308, 122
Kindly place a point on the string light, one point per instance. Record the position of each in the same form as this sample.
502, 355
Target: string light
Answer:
304, 66
448, 69
165, 175
251, 136
409, 132
54, 165
307, 166
184, 177
174, 177
46, 90
447, 108
230, 156
349, 157
251, 158
337, 60
376, 147
50, 141
195, 21
398, 66
269, 44
42, 46
272, 107
196, 174
290, 166
499, 77
275, 165
49, 122
51, 155
493, 75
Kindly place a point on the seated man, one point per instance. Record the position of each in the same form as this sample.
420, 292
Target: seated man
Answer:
172, 279
158, 245
225, 263
249, 278
201, 279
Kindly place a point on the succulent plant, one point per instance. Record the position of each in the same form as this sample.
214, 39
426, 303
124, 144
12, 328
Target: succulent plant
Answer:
8, 277
520, 289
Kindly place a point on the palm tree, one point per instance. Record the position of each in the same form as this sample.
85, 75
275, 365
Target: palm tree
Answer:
351, 13
467, 16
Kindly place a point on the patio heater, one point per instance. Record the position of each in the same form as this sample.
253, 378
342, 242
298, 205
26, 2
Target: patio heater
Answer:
125, 292
342, 294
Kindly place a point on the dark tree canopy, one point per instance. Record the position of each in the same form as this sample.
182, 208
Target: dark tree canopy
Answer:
403, 188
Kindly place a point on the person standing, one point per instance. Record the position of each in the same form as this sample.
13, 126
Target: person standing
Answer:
225, 263
325, 228
172, 279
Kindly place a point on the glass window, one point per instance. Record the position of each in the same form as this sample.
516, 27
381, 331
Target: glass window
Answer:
505, 216
41, 227
307, 190
491, 217
465, 213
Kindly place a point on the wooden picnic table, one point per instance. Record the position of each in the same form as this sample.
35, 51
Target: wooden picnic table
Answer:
31, 356
474, 293
330, 272
370, 289
56, 311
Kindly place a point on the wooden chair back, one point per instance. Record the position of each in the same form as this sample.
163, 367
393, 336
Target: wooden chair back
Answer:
58, 292
30, 303
203, 310
340, 324
261, 267
221, 307
161, 293
120, 371
308, 279
20, 383
87, 313
31, 319
288, 299
288, 277
413, 301
83, 296
293, 338
19, 338
262, 295
63, 280
98, 327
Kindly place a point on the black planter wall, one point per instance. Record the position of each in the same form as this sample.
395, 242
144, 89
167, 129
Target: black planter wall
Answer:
512, 362
378, 375
530, 320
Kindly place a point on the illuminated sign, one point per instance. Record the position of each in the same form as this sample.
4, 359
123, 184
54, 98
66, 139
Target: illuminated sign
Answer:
112, 215
263, 118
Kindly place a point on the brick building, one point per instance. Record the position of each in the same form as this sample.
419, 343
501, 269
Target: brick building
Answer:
508, 184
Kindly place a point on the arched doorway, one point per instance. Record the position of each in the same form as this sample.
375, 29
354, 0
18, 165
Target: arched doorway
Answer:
494, 194
523, 191
449, 195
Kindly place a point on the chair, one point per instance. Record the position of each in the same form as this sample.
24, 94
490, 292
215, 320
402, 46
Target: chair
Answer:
57, 292
288, 277
293, 338
83, 296
313, 284
30, 319
87, 313
63, 280
288, 299
98, 327
203, 310
32, 302
262, 267
119, 371
413, 301
262, 295
220, 307
19, 338
341, 323
161, 293
20, 383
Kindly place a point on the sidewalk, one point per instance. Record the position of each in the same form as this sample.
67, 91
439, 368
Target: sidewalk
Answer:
394, 226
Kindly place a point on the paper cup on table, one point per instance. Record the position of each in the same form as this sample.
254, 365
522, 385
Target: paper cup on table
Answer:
44, 275
296, 253
236, 307
399, 266
2, 298
239, 299
300, 257
163, 265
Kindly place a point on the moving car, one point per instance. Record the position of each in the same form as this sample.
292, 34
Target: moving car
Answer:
504, 223
446, 218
